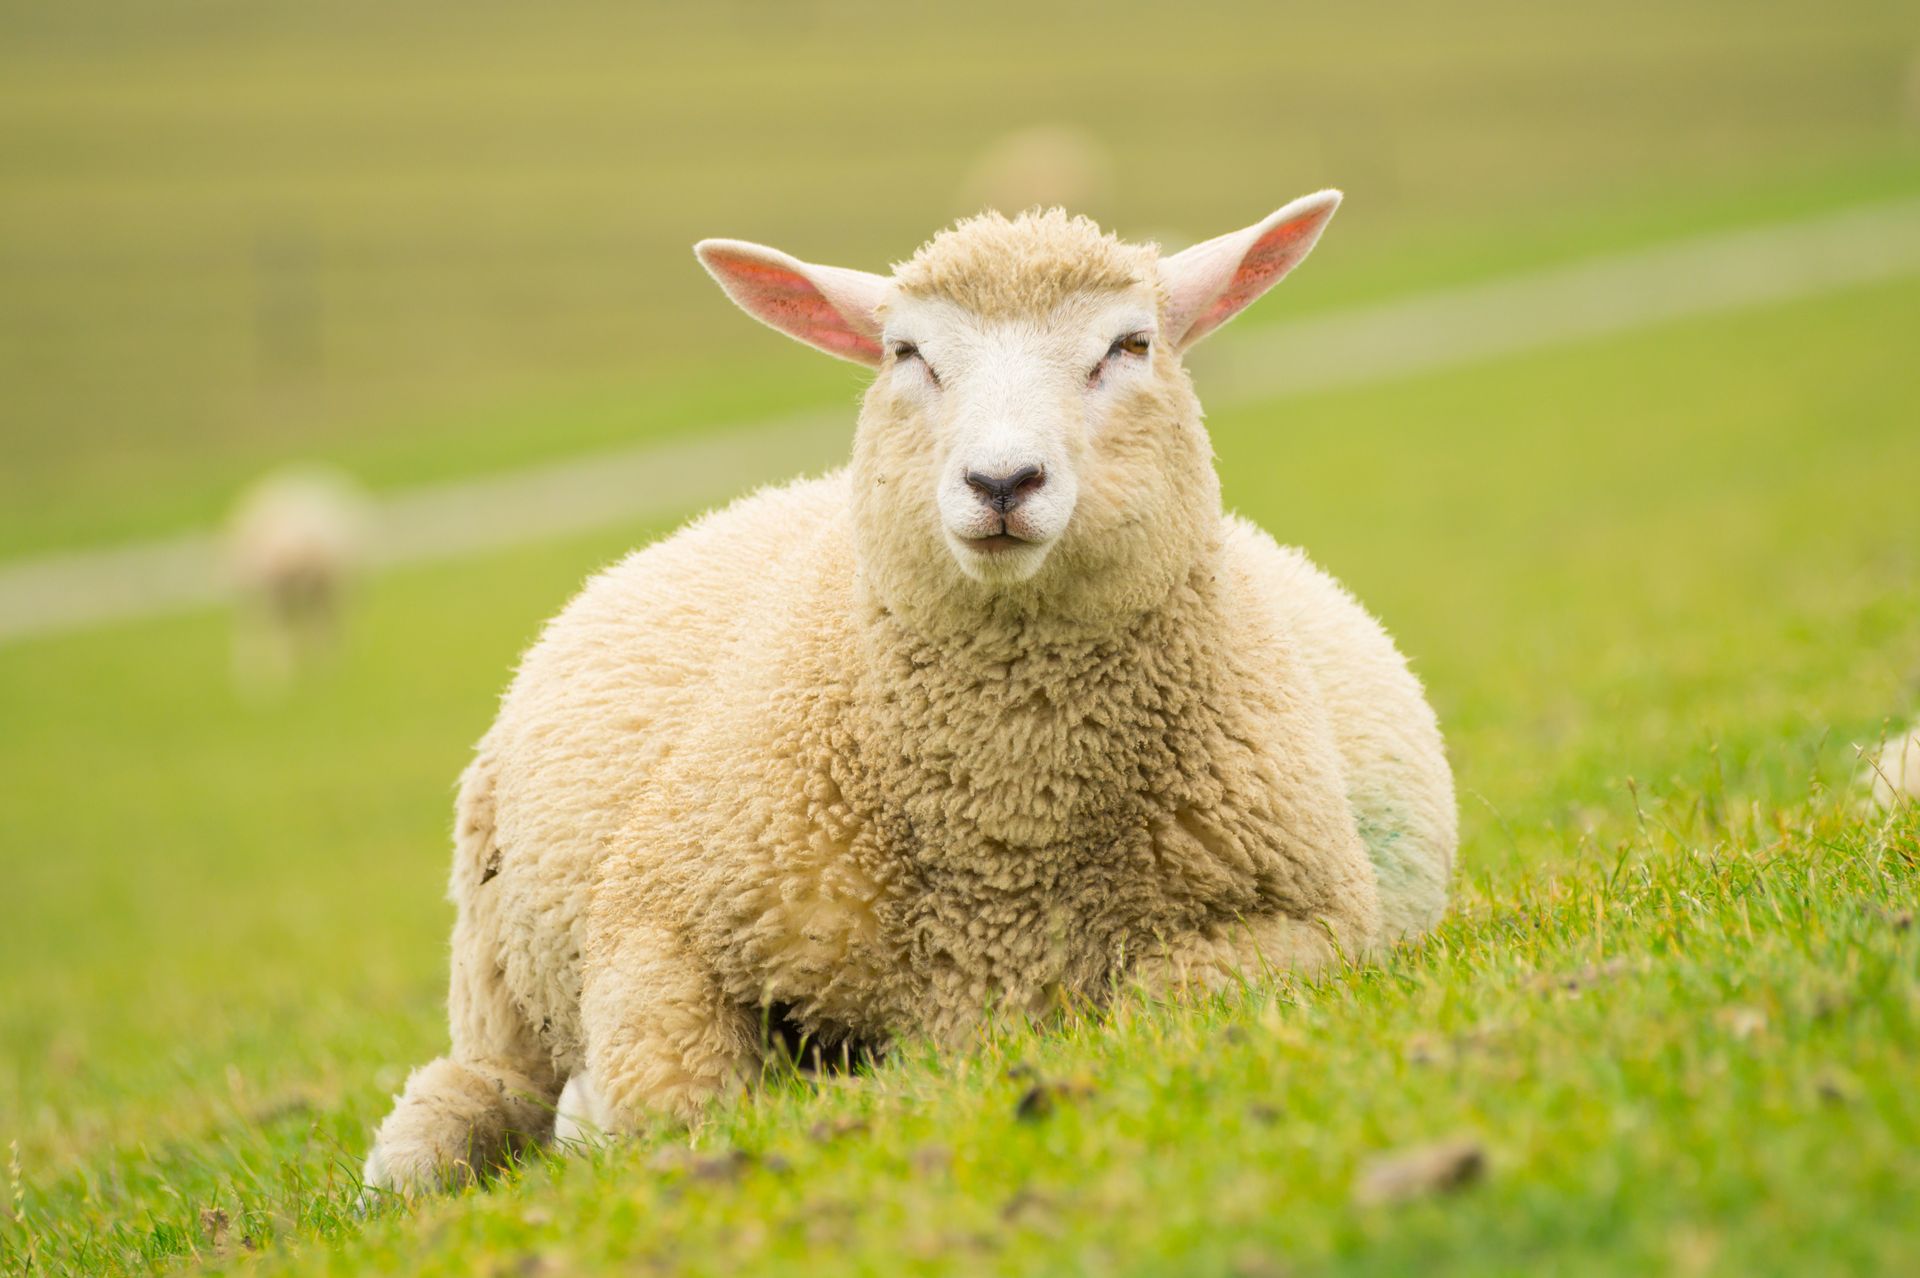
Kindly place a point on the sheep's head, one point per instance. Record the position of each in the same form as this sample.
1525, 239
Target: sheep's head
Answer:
1031, 435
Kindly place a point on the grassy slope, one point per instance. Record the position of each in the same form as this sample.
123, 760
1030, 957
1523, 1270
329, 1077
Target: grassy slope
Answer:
442, 238
1686, 556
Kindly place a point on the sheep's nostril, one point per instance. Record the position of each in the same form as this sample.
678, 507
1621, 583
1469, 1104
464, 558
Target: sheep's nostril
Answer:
1004, 492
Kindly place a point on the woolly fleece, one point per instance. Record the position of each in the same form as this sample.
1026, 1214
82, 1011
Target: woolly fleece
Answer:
791, 757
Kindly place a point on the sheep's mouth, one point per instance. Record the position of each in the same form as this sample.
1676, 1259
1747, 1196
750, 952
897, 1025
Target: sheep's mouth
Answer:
996, 543
998, 558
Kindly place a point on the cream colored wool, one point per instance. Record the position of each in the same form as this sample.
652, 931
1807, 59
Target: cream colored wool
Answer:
1893, 773
794, 757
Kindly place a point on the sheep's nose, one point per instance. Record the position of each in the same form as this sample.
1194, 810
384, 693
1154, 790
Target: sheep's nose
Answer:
1004, 492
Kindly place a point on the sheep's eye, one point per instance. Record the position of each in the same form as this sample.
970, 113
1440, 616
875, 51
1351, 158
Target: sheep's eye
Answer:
1135, 344
904, 352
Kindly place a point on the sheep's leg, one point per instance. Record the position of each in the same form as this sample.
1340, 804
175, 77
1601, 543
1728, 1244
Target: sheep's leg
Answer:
1323, 897
493, 1095
662, 1037
581, 1116
469, 1112
1250, 950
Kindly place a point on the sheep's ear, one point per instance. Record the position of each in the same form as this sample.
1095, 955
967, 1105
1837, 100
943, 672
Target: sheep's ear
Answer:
829, 307
1212, 282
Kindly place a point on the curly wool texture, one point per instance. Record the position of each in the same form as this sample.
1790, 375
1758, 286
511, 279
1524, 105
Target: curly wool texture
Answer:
998, 266
792, 757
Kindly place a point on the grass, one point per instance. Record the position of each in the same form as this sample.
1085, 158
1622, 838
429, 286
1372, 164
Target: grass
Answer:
1671, 1058
1658, 586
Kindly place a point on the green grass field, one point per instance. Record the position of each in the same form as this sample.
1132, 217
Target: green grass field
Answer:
1659, 586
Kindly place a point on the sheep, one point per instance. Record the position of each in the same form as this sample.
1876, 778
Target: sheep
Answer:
1892, 774
1045, 164
1005, 712
295, 540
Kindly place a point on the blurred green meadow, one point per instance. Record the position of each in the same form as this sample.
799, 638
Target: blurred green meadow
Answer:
1659, 585
432, 238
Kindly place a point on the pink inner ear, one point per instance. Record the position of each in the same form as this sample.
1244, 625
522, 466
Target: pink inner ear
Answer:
1272, 256
792, 303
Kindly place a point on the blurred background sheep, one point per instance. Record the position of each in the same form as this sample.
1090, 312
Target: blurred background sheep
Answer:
295, 541
1048, 165
1041, 166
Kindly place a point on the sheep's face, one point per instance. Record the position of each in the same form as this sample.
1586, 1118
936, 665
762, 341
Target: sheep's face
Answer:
1005, 412
1031, 435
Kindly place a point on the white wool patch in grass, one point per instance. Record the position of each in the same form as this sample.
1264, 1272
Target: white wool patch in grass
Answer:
1893, 771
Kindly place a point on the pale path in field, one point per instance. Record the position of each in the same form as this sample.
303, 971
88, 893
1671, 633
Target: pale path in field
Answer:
59, 592
1566, 304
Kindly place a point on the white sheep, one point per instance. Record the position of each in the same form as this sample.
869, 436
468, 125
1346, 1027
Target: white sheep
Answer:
1892, 774
1006, 712
296, 540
